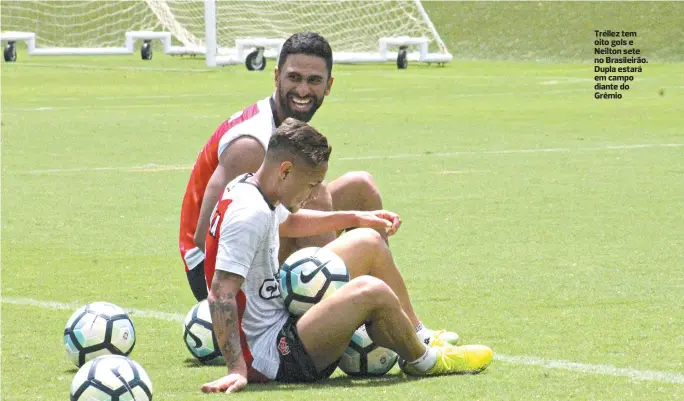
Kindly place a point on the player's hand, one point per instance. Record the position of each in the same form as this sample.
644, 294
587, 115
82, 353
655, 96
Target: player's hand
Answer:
231, 383
380, 219
392, 217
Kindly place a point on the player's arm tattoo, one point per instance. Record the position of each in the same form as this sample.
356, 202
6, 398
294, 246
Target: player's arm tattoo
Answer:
224, 315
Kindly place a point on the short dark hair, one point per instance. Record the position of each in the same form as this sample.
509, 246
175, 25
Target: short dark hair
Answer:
309, 43
301, 140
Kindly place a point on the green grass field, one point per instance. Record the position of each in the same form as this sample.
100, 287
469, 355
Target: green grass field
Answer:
537, 220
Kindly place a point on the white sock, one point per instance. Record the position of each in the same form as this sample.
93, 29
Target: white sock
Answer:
423, 333
427, 361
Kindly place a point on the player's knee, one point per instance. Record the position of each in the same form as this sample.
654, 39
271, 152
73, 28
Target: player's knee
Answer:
365, 240
364, 183
322, 200
374, 292
369, 239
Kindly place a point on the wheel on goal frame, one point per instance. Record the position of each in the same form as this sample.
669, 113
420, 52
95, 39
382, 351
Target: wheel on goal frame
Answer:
255, 60
10, 52
146, 50
402, 61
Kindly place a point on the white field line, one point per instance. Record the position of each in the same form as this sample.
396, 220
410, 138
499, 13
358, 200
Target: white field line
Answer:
430, 74
551, 81
448, 172
160, 167
146, 168
104, 67
562, 81
171, 96
97, 107
171, 317
399, 75
547, 80
167, 96
606, 370
346, 98
514, 151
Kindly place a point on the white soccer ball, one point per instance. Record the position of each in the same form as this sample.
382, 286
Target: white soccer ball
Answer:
364, 358
99, 328
111, 378
198, 334
309, 276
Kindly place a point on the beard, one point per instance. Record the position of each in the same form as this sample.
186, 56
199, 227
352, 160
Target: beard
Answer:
306, 116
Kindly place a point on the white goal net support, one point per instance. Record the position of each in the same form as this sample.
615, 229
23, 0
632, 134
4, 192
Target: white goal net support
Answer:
224, 31
84, 27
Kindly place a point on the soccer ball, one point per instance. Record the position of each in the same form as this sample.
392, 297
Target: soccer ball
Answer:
111, 378
198, 333
364, 358
309, 276
100, 328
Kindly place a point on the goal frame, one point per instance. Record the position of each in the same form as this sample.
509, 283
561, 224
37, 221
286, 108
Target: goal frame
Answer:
390, 49
270, 47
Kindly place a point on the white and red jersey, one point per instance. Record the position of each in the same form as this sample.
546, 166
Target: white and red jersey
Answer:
256, 121
243, 239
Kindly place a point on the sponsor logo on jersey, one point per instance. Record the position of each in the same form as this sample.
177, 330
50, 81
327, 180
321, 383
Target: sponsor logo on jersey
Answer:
269, 289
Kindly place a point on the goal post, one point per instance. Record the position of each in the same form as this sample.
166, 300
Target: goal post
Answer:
358, 30
225, 31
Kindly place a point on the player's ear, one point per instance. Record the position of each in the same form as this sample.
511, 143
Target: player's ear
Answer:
276, 75
285, 169
330, 82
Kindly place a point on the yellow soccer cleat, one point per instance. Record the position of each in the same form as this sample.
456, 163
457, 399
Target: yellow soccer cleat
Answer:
465, 359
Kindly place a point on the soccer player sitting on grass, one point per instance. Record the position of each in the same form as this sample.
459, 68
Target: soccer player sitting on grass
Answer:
258, 338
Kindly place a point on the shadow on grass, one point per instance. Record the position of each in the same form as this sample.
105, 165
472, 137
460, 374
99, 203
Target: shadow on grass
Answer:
333, 383
195, 363
336, 382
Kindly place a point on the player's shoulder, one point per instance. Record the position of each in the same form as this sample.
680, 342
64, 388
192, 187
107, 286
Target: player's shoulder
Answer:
255, 121
246, 217
246, 200
258, 114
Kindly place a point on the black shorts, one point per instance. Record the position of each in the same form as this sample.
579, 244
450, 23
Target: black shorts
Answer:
296, 365
198, 284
